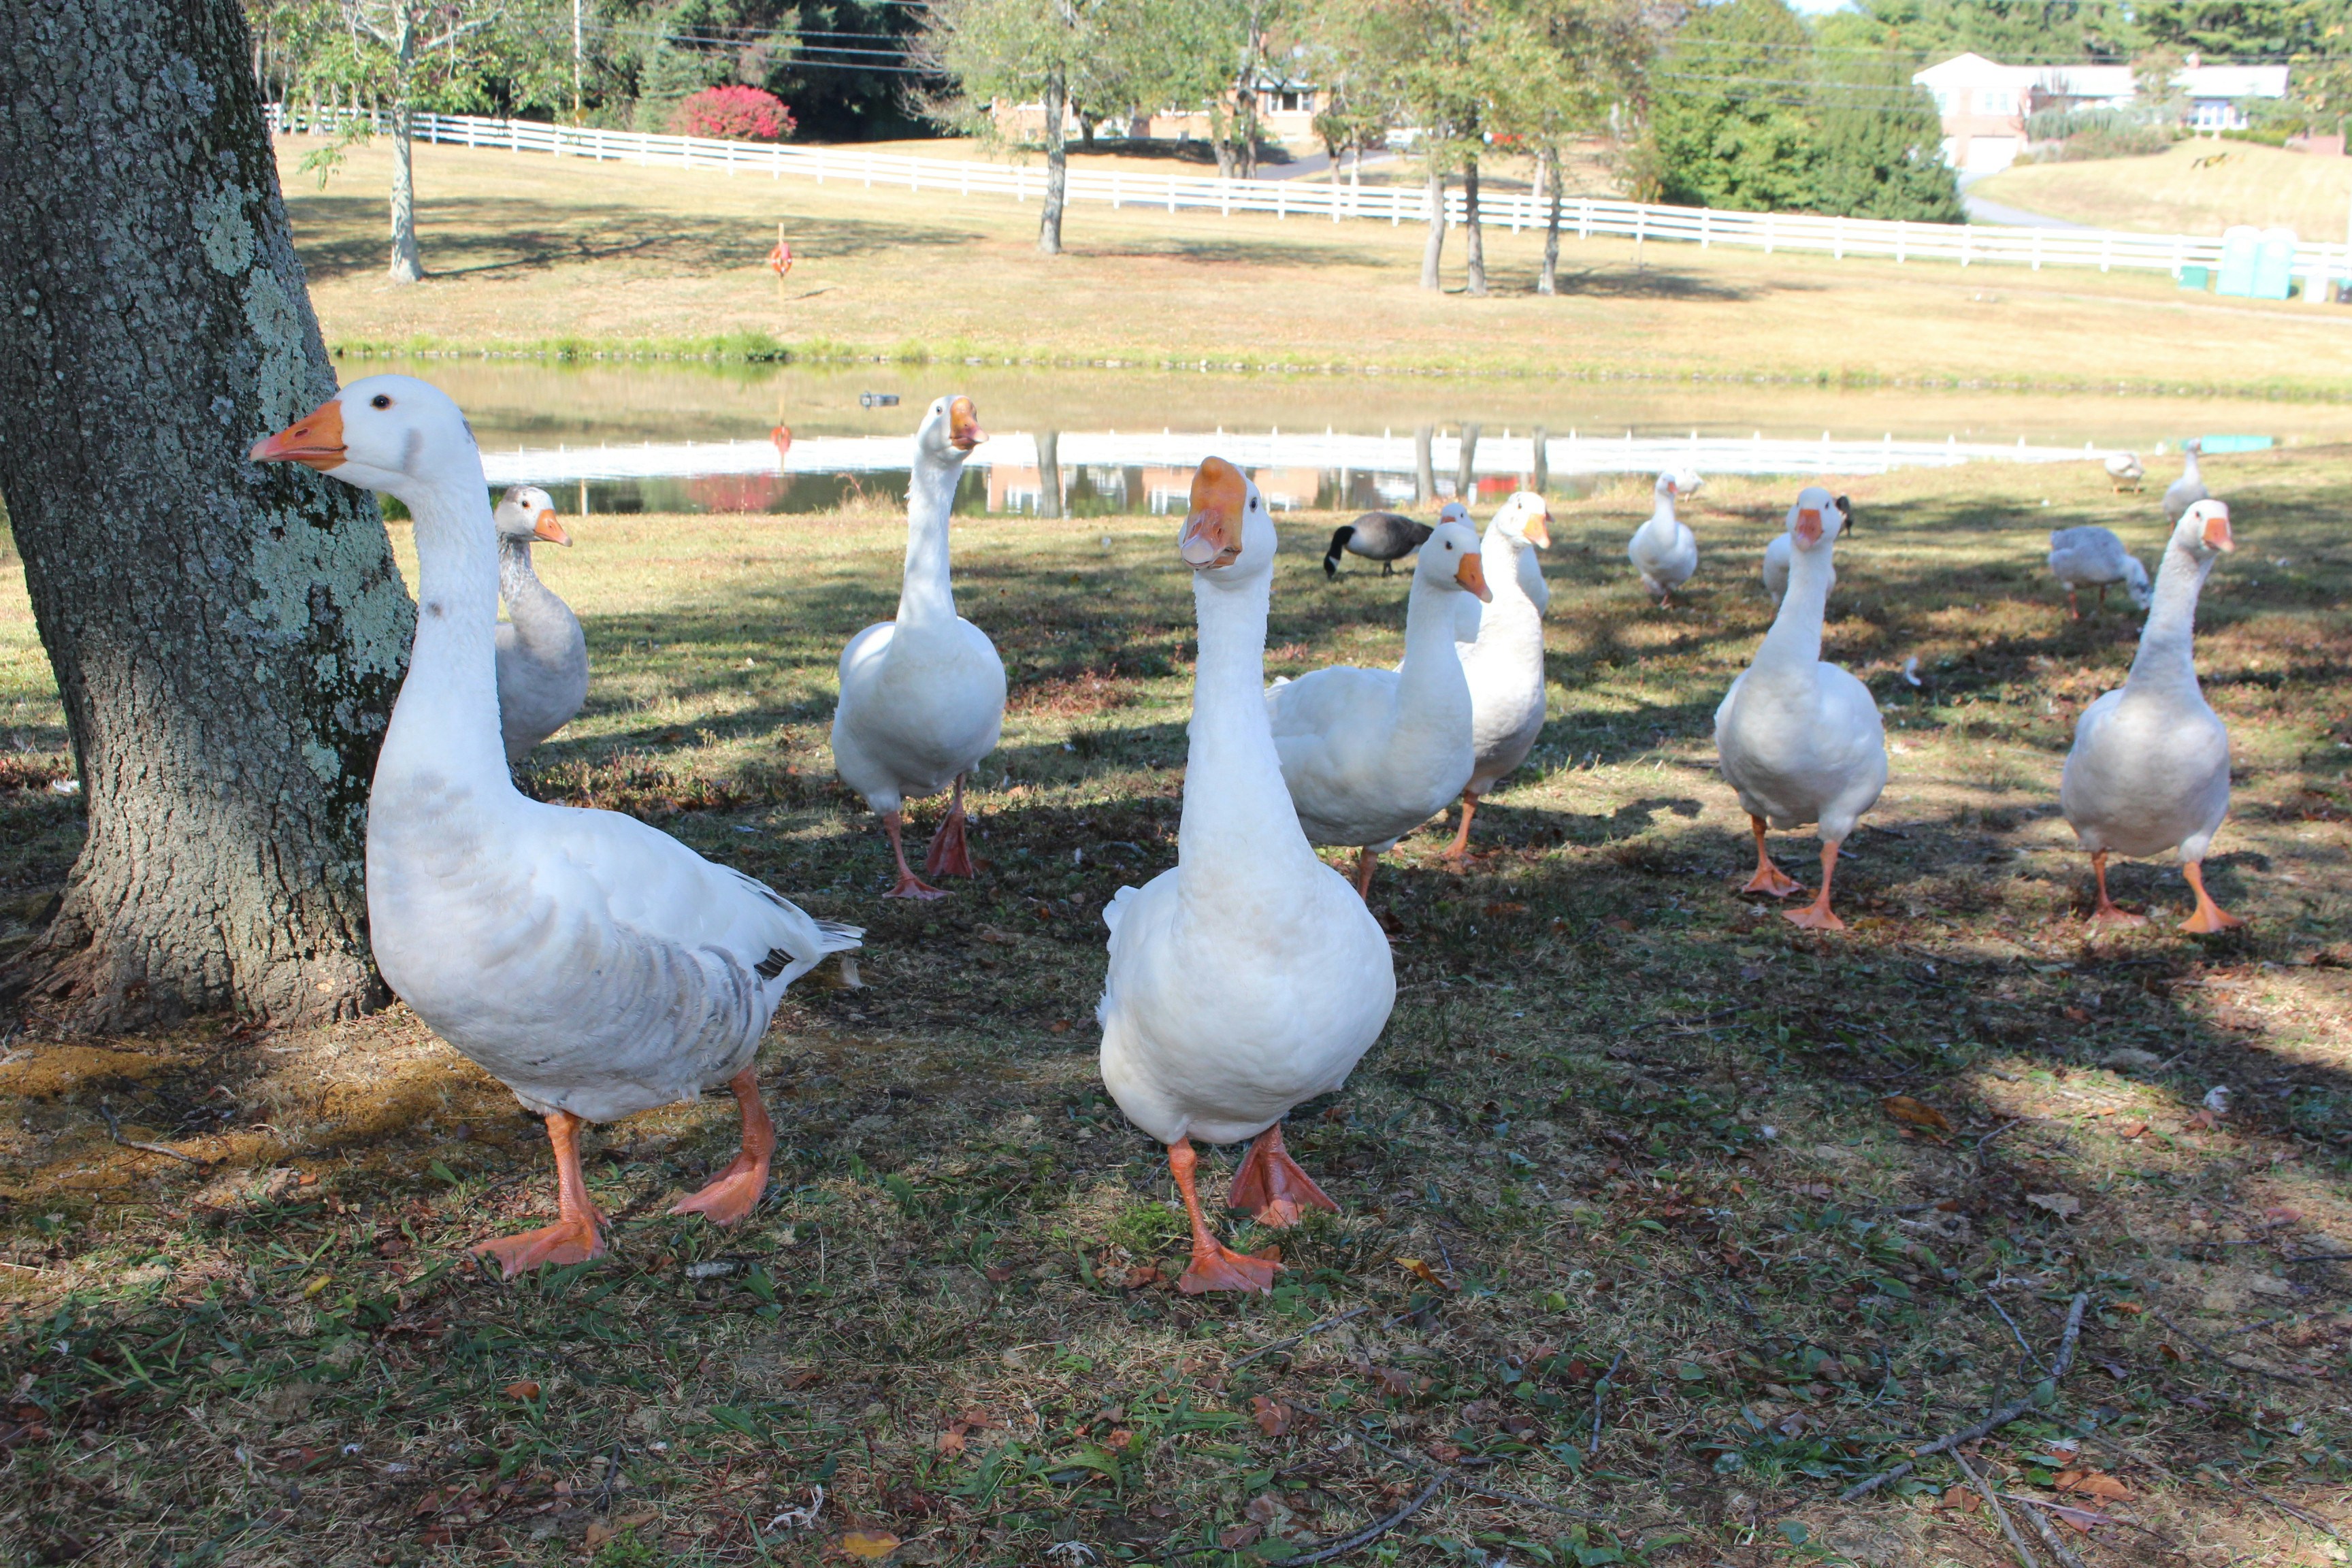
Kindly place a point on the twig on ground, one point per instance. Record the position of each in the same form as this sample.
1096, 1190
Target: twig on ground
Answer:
1600, 1398
2043, 1527
2303, 1514
1334, 1321
2000, 1514
1365, 1536
114, 1130
1998, 1418
2239, 1361
2324, 1257
1996, 1131
2015, 1332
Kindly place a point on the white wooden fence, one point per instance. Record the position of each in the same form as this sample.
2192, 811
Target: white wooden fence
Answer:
1583, 217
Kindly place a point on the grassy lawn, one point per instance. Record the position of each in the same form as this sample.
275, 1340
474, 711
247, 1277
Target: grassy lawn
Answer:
535, 253
2197, 186
1637, 1255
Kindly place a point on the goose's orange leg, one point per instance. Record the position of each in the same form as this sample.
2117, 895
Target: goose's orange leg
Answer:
735, 1191
2073, 610
1271, 1183
948, 855
1365, 860
1817, 915
2107, 913
1214, 1266
1461, 845
577, 1234
909, 885
1769, 879
2209, 916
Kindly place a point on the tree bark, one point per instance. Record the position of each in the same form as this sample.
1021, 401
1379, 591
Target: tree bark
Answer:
1466, 466
1433, 251
1049, 473
1057, 166
407, 267
228, 637
1474, 234
1424, 468
1540, 480
1548, 280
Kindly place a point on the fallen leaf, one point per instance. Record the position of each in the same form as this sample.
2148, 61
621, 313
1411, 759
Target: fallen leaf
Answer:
1905, 1109
1272, 1417
2081, 1519
2168, 1353
1811, 1189
598, 1533
1444, 1452
2093, 1483
315, 1285
1234, 1537
2130, 1130
2076, 1014
1000, 1273
952, 1440
2063, 1204
636, 1516
1421, 1271
1506, 908
525, 1390
1393, 1383
2130, 1308
1958, 1496
869, 1547
2204, 1122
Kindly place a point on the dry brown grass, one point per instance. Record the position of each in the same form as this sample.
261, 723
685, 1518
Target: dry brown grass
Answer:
532, 252
1618, 1111
2239, 182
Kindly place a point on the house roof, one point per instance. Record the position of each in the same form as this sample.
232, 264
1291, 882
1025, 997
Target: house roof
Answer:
2114, 83
2233, 81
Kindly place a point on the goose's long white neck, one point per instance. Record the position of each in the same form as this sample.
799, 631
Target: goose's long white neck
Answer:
527, 598
1512, 617
1796, 634
1661, 520
2167, 652
446, 719
1432, 663
2190, 471
926, 595
1237, 811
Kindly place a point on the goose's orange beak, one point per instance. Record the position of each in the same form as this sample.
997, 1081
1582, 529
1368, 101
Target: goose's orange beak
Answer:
1808, 525
1539, 531
2216, 530
1472, 575
548, 529
964, 426
1212, 529
315, 441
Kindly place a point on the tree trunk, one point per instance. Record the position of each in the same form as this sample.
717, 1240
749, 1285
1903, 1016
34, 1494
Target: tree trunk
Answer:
228, 637
1057, 166
1049, 474
1466, 466
1540, 480
1474, 234
1086, 130
1548, 280
1434, 251
1425, 470
407, 267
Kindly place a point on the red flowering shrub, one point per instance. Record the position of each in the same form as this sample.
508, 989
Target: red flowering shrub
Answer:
733, 114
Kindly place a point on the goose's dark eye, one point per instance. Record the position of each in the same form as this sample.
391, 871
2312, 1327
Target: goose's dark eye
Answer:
381, 400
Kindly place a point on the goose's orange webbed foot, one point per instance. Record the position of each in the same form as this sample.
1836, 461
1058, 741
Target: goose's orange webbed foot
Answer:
577, 1234
909, 885
2210, 917
1460, 848
2107, 913
1769, 879
735, 1192
1214, 1266
1273, 1187
950, 853
1817, 915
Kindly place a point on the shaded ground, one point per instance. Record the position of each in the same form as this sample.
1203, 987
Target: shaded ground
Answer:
1664, 1223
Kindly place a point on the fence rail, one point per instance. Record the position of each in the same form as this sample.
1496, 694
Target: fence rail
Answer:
2316, 264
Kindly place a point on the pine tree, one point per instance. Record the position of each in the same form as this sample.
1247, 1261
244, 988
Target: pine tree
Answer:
1879, 146
1732, 124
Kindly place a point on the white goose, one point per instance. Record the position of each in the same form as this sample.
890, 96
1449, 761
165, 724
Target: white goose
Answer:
1664, 549
1504, 665
922, 696
1777, 553
2189, 487
1800, 740
2125, 470
2150, 766
1468, 609
2092, 557
1248, 978
542, 653
595, 964
1371, 755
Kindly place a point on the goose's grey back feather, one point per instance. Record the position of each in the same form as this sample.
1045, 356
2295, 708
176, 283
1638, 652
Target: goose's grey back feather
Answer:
542, 655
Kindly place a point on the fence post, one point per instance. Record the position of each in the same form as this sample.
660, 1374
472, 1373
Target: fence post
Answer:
1768, 234
1702, 229
1837, 237
2037, 250
1281, 196
1902, 231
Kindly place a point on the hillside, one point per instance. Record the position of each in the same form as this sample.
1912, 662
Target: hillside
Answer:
2172, 194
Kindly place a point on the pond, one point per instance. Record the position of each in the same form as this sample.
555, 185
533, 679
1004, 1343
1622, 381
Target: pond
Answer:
663, 438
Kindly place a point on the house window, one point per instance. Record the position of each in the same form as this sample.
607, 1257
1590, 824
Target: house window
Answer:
1994, 101
1289, 102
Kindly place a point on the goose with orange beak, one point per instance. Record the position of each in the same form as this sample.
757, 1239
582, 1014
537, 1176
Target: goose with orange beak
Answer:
1799, 737
1664, 549
542, 653
1249, 977
1504, 663
1371, 755
593, 965
922, 695
2149, 771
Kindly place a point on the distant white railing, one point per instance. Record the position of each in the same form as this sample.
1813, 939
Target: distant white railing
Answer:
1583, 217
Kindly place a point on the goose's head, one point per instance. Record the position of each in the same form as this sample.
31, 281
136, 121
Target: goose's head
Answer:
1669, 486
1687, 482
2136, 581
526, 513
1815, 519
1449, 558
949, 430
2204, 530
1453, 512
1228, 537
391, 434
1526, 516
1844, 505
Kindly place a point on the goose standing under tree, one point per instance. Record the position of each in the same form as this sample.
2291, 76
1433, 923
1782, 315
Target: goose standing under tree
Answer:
1504, 663
1800, 739
1248, 978
542, 653
922, 696
2149, 770
595, 965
